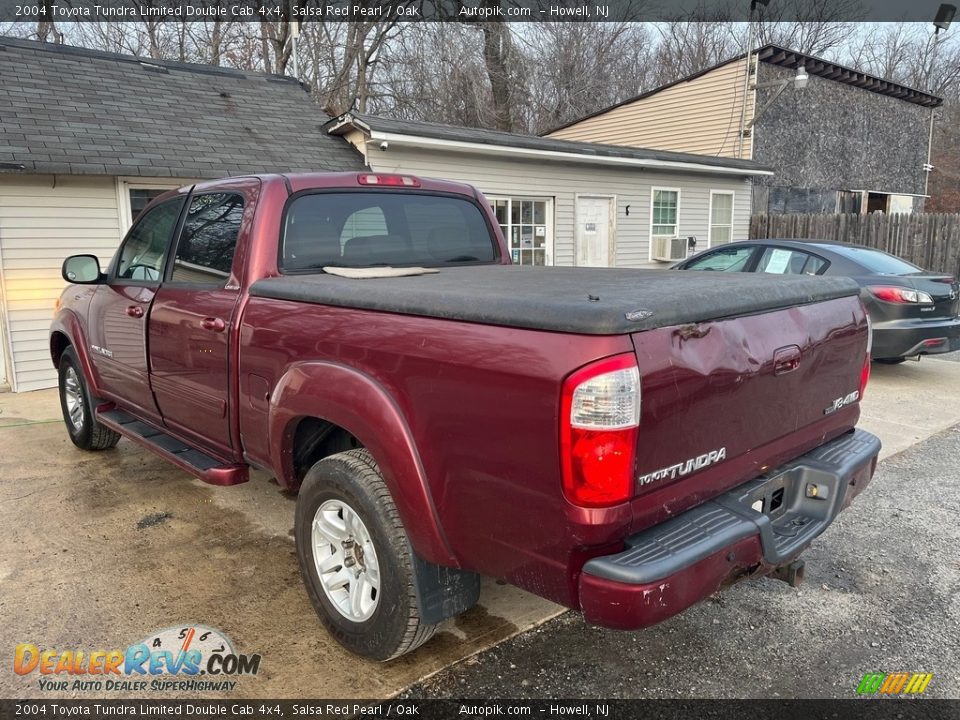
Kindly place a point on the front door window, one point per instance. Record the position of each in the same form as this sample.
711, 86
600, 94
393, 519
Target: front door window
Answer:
145, 249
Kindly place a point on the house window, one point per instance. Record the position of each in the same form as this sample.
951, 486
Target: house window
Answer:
134, 194
721, 218
524, 224
666, 205
141, 197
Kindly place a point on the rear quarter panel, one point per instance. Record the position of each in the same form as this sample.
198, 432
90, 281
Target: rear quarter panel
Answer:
482, 406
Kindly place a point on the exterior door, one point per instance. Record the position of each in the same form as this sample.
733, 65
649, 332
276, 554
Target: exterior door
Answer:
594, 231
120, 309
191, 324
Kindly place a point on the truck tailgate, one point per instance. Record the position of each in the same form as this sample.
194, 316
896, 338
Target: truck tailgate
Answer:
723, 401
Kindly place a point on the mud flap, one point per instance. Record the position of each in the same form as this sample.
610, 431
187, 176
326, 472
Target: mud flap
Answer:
443, 592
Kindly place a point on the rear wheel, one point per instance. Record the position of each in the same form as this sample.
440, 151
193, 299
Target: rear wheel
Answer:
78, 408
356, 560
889, 361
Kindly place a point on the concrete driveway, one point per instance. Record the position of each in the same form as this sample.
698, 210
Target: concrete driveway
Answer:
104, 549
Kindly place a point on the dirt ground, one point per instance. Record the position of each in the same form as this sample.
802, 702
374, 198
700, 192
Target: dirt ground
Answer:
103, 549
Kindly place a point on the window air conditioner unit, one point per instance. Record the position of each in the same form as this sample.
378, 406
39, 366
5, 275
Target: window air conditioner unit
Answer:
669, 249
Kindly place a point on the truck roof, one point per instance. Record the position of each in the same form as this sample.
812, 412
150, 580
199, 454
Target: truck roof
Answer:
299, 182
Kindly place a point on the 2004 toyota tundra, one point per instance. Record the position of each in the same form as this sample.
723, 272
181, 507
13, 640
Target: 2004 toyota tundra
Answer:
623, 442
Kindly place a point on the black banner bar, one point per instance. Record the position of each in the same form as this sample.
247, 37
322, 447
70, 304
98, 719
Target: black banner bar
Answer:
466, 10
854, 709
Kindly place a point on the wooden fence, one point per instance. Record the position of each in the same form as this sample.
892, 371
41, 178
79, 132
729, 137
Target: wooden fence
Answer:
930, 240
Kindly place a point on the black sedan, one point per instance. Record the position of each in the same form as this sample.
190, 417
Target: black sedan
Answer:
913, 312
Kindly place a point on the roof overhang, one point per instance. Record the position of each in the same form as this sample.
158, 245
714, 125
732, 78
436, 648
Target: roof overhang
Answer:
347, 122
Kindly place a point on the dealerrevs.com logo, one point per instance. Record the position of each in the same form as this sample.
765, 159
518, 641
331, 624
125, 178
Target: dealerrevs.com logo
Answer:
188, 658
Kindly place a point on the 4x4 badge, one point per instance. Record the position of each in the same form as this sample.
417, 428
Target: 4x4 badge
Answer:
841, 402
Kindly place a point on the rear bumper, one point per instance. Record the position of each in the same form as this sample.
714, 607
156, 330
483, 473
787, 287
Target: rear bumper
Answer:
669, 567
908, 338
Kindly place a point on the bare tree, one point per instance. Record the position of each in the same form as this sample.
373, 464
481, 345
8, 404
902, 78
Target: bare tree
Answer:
687, 47
573, 69
812, 27
498, 58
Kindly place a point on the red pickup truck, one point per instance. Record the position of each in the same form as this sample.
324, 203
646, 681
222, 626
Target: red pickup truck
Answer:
623, 442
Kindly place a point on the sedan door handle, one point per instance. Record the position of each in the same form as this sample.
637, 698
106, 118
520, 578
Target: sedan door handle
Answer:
213, 324
135, 311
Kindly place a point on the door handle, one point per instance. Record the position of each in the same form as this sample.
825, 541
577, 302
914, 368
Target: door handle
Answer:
135, 311
786, 359
213, 324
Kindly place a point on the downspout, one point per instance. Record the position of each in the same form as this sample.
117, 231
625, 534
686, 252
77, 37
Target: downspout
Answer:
746, 86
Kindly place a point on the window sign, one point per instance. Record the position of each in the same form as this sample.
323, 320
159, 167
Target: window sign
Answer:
524, 225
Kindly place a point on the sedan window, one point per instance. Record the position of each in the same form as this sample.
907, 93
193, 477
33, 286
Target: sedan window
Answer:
877, 261
783, 261
730, 259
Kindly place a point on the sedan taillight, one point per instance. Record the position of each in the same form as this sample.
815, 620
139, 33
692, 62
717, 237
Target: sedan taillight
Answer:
894, 294
600, 414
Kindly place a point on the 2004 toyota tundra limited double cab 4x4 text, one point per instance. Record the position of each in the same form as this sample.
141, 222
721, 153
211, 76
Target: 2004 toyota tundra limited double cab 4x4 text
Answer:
623, 442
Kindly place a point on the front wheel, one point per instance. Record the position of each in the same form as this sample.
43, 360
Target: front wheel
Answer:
356, 560
78, 406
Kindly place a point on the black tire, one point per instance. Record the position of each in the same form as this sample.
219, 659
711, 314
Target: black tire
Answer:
889, 361
86, 433
394, 627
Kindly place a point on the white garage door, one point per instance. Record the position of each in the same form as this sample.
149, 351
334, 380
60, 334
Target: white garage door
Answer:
42, 220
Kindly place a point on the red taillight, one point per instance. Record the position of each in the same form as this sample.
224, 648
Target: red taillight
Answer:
388, 180
894, 294
599, 417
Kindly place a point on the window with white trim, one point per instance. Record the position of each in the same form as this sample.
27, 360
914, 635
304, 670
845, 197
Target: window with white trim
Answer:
721, 218
666, 207
524, 223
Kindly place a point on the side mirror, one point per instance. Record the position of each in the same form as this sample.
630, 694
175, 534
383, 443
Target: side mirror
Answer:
81, 270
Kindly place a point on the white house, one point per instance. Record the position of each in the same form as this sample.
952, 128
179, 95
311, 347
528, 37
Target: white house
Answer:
88, 138
561, 202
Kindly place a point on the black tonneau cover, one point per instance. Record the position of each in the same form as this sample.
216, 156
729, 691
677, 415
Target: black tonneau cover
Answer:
592, 301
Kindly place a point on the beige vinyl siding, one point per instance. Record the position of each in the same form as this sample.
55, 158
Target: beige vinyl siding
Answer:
502, 175
697, 116
43, 219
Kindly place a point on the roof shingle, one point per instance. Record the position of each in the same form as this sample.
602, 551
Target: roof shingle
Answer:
71, 110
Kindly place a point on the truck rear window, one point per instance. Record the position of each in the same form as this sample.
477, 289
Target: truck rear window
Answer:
364, 229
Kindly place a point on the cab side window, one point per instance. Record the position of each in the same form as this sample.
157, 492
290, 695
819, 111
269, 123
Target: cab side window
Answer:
208, 241
145, 249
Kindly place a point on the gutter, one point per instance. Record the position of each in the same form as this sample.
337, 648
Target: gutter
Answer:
484, 149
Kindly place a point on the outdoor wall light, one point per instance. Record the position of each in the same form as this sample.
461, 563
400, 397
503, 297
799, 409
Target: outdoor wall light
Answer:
801, 79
